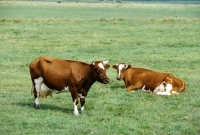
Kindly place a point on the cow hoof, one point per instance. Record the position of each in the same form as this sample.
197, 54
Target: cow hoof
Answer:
83, 112
76, 114
37, 106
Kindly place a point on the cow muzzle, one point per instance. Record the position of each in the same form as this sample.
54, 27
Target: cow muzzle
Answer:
106, 81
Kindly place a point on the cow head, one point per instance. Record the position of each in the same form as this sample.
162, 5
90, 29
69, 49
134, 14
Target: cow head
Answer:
99, 71
121, 67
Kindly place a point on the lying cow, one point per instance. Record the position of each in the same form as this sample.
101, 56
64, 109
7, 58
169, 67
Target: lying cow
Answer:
50, 74
148, 80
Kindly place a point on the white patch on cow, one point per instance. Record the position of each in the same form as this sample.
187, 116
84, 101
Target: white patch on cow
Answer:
101, 65
143, 88
37, 101
38, 83
160, 88
148, 91
168, 88
75, 108
41, 87
82, 109
120, 67
44, 88
174, 92
66, 89
39, 79
81, 96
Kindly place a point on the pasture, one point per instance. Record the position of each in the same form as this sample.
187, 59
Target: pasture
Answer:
162, 37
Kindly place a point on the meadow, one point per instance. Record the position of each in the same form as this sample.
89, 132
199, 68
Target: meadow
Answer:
162, 37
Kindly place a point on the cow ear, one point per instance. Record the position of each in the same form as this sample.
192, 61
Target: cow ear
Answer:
128, 66
107, 66
115, 66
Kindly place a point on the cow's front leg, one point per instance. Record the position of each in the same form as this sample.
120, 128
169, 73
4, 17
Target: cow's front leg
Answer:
132, 88
82, 100
76, 107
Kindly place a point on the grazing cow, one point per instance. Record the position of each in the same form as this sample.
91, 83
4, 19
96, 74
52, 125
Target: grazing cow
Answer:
148, 80
50, 74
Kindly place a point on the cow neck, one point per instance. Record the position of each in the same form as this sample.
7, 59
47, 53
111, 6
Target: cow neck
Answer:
125, 79
90, 75
125, 74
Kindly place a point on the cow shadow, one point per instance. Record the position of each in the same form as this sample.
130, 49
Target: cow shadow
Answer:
45, 107
115, 87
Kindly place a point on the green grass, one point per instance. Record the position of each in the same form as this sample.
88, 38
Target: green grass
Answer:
162, 37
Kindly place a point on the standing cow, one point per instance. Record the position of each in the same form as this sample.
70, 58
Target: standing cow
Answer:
148, 80
53, 74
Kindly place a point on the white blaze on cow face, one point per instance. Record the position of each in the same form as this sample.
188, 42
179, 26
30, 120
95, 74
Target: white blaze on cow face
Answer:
120, 67
101, 66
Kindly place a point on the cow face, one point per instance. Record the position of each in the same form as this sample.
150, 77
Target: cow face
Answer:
100, 68
121, 67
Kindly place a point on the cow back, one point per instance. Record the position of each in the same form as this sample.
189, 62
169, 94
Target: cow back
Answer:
59, 73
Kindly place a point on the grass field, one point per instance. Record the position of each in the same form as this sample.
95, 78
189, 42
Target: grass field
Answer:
162, 37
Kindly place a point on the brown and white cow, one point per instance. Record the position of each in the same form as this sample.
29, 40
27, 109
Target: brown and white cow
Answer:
50, 74
148, 80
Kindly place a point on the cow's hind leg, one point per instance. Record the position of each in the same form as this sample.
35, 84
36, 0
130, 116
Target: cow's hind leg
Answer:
37, 87
33, 91
133, 88
36, 96
168, 88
